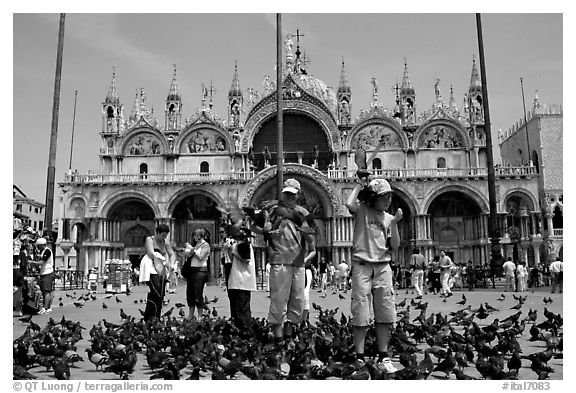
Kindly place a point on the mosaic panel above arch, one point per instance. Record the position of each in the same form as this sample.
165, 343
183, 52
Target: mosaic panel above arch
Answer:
143, 144
440, 136
204, 141
262, 114
373, 135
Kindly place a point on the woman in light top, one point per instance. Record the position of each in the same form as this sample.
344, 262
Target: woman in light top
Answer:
154, 269
198, 273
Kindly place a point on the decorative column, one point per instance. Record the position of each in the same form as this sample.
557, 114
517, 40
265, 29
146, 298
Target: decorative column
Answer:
536, 248
300, 155
549, 222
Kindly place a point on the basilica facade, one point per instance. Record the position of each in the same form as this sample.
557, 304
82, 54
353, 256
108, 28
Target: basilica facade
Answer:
184, 170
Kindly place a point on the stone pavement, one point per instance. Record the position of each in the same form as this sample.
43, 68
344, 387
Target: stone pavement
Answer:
93, 312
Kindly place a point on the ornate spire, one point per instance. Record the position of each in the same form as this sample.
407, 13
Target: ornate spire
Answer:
112, 96
475, 81
406, 87
235, 88
452, 102
536, 103
344, 85
173, 94
298, 61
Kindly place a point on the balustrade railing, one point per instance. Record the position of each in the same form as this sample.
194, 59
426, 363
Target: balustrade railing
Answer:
401, 173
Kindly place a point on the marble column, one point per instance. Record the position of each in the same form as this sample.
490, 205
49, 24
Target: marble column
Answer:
536, 248
550, 224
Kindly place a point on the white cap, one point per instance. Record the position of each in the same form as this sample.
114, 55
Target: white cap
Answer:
292, 186
40, 241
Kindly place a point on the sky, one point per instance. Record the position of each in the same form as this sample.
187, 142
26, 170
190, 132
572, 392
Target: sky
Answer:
142, 48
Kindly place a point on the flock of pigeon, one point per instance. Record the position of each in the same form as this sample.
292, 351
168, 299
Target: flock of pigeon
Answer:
461, 343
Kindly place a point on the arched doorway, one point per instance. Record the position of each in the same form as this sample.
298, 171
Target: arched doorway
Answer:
192, 211
78, 233
301, 135
136, 219
456, 226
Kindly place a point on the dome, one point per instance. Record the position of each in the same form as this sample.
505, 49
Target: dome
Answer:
318, 89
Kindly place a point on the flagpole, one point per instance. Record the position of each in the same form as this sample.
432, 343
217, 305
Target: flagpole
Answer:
73, 124
525, 121
51, 172
493, 230
279, 114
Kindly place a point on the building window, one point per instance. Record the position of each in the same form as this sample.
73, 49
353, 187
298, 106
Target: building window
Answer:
143, 171
204, 167
29, 208
34, 225
19, 207
376, 164
441, 163
36, 210
40, 225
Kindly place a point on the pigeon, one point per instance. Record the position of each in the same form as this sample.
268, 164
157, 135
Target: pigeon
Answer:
118, 300
342, 297
61, 370
463, 301
78, 305
104, 306
168, 313
182, 313
516, 307
514, 363
26, 319
489, 308
501, 298
123, 315
179, 305
96, 358
60, 304
460, 376
72, 357
214, 312
532, 315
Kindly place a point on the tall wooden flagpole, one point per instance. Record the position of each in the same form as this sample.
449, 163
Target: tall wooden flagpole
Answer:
279, 115
54, 133
73, 124
493, 230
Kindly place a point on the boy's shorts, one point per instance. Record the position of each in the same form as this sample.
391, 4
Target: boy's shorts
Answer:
286, 294
372, 281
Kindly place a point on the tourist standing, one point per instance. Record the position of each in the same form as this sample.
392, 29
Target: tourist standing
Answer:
241, 283
291, 245
323, 268
418, 266
46, 279
343, 275
198, 276
509, 269
375, 236
445, 264
521, 274
154, 269
557, 271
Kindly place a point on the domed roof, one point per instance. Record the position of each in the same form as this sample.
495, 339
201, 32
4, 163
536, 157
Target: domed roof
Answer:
318, 88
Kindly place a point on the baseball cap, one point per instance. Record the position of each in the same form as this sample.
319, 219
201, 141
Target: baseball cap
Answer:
380, 186
292, 186
40, 240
